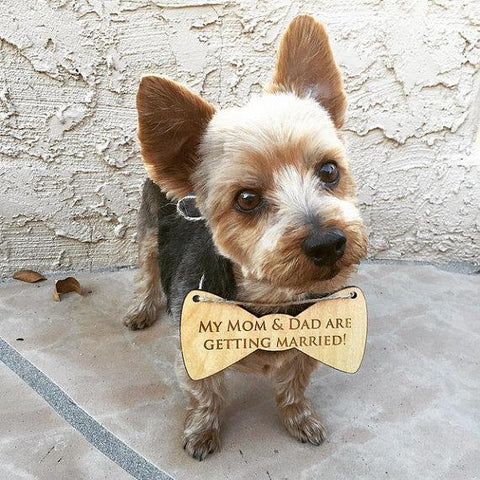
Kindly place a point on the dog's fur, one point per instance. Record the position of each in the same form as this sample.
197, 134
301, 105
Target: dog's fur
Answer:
273, 145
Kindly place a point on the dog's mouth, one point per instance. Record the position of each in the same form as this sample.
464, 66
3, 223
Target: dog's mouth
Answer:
332, 271
323, 273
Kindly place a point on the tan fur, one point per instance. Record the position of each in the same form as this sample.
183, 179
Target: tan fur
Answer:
305, 65
202, 424
296, 413
188, 147
238, 236
148, 298
290, 372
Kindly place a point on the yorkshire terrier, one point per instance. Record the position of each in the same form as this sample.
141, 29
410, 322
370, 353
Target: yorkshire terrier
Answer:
279, 220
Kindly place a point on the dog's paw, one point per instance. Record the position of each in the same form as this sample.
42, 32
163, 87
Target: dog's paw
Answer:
200, 444
139, 319
304, 425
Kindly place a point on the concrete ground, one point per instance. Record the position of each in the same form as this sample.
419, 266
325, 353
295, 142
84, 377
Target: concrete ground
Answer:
90, 399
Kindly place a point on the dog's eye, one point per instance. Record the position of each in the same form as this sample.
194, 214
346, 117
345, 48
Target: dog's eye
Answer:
328, 173
247, 200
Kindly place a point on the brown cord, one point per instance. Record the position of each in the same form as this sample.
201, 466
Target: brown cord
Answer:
199, 298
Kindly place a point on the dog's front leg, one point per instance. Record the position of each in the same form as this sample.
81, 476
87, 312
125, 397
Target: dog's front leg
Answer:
202, 424
291, 380
149, 296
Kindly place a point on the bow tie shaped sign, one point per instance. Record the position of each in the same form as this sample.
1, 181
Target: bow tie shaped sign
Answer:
216, 334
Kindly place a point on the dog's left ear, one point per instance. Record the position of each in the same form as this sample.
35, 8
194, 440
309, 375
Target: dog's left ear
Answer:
305, 65
171, 122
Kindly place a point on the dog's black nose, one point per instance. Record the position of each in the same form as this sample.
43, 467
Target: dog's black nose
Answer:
325, 247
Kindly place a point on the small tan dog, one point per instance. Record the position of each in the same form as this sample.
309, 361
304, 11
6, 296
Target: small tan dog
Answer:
278, 213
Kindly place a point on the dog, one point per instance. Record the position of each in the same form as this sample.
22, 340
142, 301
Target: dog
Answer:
279, 218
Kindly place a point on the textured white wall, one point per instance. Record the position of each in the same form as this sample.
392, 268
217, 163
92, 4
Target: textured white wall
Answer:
70, 171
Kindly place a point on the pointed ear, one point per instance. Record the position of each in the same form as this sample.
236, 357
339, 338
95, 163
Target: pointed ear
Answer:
305, 65
171, 121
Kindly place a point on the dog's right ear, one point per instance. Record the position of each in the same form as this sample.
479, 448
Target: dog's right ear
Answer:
171, 121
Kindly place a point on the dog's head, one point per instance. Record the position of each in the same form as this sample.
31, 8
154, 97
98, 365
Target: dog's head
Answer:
272, 178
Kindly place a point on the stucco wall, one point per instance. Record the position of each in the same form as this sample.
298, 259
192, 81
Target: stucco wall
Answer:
70, 172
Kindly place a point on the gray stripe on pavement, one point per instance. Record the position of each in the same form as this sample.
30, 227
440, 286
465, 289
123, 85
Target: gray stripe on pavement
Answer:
102, 439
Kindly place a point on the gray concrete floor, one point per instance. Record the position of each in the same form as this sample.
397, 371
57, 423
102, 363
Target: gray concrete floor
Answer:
411, 411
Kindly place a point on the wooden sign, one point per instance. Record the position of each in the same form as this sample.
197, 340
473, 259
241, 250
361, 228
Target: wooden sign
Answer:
215, 334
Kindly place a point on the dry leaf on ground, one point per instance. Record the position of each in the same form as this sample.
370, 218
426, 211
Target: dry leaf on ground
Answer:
66, 285
28, 276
